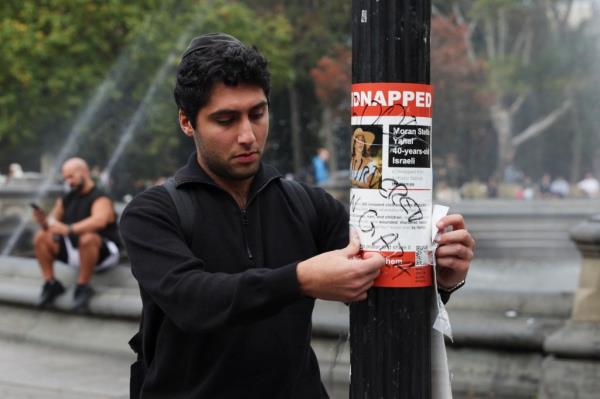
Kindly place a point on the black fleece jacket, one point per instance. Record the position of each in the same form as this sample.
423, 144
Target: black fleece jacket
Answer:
226, 318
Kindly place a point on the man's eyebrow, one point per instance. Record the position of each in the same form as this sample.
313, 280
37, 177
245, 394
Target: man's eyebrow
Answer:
261, 104
235, 111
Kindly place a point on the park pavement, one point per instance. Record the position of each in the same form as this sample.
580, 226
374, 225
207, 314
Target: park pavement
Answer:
40, 369
55, 354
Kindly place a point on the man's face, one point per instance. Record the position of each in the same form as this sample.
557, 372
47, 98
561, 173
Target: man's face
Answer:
231, 131
73, 176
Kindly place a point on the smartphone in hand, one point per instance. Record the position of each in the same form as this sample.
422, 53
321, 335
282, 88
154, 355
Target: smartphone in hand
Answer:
39, 214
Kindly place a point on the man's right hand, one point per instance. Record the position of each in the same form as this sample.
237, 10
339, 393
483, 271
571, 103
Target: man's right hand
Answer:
341, 275
40, 217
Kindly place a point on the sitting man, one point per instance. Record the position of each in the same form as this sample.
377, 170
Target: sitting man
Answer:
81, 231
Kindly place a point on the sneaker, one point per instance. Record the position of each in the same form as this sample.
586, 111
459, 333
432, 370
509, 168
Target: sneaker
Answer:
50, 290
81, 297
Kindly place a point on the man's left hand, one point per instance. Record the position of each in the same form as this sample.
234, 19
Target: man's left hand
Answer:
455, 251
59, 228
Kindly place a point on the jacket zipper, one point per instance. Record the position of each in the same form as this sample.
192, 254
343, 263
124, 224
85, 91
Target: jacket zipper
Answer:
245, 222
245, 230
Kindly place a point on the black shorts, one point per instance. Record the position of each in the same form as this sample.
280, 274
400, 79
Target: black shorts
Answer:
68, 252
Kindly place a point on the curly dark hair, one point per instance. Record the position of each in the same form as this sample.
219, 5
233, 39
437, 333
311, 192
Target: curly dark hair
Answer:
213, 58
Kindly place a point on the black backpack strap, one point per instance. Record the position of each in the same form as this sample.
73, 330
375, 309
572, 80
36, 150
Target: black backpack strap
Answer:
298, 194
137, 371
184, 206
185, 211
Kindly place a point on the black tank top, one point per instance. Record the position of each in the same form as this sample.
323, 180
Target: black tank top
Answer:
78, 206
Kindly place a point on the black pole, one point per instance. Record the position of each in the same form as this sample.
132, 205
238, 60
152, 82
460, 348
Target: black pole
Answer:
390, 332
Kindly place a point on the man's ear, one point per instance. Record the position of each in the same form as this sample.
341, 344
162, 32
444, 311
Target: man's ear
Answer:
185, 124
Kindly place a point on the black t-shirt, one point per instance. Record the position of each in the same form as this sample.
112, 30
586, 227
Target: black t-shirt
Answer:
78, 206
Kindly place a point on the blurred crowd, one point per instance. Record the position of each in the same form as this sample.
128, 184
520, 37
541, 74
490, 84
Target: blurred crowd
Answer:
451, 186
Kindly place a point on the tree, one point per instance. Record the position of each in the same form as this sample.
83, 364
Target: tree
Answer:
332, 78
53, 53
58, 53
320, 27
574, 61
508, 37
460, 103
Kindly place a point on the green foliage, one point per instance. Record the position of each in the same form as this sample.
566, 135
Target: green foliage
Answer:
321, 28
56, 53
506, 75
490, 8
53, 53
270, 33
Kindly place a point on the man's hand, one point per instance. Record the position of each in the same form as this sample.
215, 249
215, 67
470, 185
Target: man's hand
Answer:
59, 228
40, 217
455, 251
340, 275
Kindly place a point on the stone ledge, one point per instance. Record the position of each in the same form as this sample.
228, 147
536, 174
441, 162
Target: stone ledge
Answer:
27, 268
575, 340
563, 379
552, 304
116, 292
498, 331
482, 373
116, 302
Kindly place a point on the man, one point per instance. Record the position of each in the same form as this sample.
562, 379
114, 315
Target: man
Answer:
560, 187
589, 185
319, 166
227, 312
80, 231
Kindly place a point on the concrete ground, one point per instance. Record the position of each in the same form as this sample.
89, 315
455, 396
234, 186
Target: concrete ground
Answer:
51, 355
38, 371
56, 354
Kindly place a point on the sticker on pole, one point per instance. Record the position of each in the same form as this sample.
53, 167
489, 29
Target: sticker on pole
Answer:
390, 170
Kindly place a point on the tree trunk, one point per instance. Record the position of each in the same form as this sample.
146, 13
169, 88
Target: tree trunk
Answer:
327, 135
298, 162
502, 122
577, 146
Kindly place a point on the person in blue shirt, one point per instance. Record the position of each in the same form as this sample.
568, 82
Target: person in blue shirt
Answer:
319, 166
